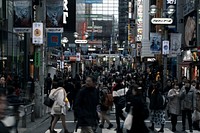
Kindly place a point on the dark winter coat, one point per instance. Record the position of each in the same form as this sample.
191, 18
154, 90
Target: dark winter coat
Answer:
156, 101
138, 124
85, 107
3, 129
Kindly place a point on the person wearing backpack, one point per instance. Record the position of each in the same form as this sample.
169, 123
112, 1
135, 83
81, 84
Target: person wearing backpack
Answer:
157, 107
106, 102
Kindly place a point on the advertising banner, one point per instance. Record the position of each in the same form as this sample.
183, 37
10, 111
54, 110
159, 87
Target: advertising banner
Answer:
54, 15
37, 33
175, 42
22, 16
155, 43
53, 39
165, 47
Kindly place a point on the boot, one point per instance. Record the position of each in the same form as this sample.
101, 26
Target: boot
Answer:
161, 129
152, 127
110, 126
101, 125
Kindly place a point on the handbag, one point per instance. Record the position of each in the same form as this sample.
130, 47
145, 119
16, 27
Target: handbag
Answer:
128, 120
195, 116
57, 109
48, 102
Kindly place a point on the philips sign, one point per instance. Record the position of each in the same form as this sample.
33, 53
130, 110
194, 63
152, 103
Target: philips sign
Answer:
65, 11
161, 21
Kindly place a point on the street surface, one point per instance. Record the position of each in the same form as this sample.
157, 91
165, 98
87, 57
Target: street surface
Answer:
71, 126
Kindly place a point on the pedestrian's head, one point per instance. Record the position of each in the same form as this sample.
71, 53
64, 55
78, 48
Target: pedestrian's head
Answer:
169, 83
60, 83
194, 83
187, 83
3, 104
90, 81
176, 86
136, 90
54, 85
49, 74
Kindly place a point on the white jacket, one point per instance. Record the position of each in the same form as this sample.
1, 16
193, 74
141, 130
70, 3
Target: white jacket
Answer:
58, 95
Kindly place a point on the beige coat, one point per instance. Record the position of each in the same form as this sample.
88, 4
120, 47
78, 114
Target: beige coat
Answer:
58, 95
174, 102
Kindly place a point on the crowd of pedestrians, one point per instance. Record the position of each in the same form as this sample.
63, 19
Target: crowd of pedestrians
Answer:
93, 94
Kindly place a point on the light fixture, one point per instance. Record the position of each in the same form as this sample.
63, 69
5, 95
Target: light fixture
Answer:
64, 40
171, 10
86, 34
76, 34
153, 10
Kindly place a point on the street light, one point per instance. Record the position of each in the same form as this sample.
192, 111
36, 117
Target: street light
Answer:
64, 40
168, 12
78, 36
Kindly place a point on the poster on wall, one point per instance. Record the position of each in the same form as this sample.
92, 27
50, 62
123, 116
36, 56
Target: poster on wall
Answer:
155, 43
175, 42
190, 31
22, 16
54, 16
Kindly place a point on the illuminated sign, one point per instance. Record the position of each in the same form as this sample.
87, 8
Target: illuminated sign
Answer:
80, 41
65, 11
161, 21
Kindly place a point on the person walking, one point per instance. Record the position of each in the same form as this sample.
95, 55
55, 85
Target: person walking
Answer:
119, 96
174, 105
105, 105
48, 83
140, 111
54, 87
85, 106
59, 96
157, 107
188, 104
197, 110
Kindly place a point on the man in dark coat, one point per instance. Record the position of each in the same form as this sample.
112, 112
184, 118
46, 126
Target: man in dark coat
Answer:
85, 107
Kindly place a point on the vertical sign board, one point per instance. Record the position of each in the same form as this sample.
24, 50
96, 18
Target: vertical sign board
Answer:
37, 59
165, 47
37, 32
69, 15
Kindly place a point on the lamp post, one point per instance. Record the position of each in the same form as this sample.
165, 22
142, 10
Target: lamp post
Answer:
168, 12
78, 50
64, 40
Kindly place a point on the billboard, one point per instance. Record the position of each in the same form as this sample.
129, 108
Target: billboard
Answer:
54, 15
22, 11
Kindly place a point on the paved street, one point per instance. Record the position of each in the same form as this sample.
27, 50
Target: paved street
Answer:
43, 128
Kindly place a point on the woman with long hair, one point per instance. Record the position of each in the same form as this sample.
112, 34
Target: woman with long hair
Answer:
59, 107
